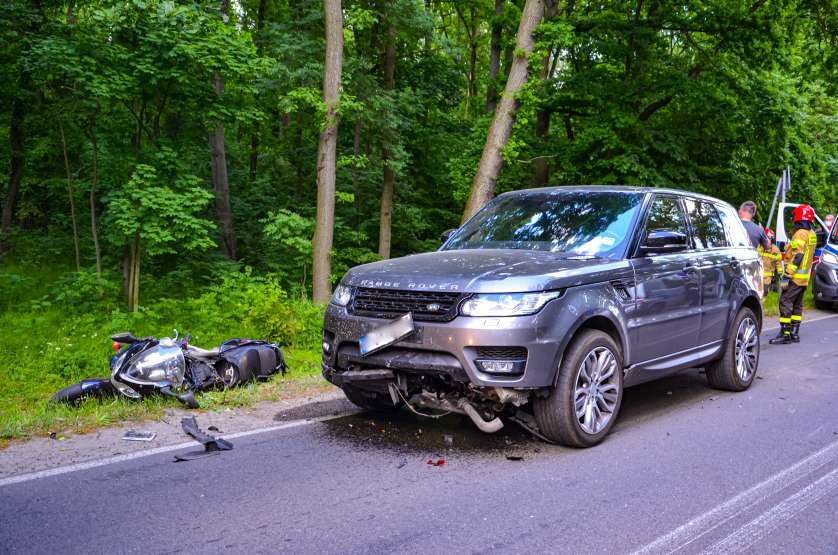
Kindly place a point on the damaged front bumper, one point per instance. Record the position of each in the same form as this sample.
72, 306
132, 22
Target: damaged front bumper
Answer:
457, 349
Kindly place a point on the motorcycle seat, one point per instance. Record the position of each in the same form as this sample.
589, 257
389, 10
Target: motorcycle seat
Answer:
198, 352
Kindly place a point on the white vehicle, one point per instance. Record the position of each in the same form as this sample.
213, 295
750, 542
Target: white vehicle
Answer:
784, 221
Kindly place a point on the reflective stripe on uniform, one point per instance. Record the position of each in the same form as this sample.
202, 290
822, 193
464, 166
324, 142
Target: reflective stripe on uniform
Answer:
796, 318
803, 271
785, 320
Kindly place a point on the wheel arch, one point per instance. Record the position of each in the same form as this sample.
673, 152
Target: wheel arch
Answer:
601, 321
752, 302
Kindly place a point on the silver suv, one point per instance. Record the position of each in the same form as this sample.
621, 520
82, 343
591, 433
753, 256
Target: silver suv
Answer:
546, 304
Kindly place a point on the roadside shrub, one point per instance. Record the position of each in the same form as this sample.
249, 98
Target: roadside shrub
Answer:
85, 291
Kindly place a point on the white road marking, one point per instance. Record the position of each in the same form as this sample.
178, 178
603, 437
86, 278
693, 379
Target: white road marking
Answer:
764, 524
156, 451
712, 519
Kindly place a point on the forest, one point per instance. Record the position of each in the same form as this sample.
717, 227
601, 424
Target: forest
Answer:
217, 165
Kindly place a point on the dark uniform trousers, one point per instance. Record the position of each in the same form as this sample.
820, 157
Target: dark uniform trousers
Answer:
791, 303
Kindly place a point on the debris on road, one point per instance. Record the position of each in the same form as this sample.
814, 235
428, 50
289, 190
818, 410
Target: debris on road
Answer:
133, 435
212, 445
402, 463
514, 458
436, 462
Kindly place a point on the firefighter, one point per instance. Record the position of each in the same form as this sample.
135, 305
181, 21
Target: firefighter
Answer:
797, 262
772, 261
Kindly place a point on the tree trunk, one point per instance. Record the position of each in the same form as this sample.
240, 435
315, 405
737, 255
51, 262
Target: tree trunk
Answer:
218, 161
356, 151
132, 273
16, 160
327, 155
70, 194
389, 187
16, 131
483, 186
218, 156
94, 180
542, 165
494, 57
542, 117
254, 135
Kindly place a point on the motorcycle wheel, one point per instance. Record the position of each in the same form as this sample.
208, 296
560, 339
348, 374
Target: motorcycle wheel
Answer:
82, 390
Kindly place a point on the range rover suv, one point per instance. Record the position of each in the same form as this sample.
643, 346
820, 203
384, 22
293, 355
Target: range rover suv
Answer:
546, 304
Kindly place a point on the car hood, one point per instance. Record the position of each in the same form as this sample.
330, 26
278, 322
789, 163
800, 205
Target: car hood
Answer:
484, 271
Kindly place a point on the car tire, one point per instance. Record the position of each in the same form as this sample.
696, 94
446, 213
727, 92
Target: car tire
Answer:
570, 415
370, 400
729, 373
823, 305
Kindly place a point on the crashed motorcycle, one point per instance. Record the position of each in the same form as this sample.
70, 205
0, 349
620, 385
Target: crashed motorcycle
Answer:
172, 367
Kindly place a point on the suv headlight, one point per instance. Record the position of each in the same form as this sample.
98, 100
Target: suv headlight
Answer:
829, 258
342, 295
507, 304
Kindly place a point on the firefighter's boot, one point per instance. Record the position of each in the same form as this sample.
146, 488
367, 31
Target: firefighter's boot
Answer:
784, 337
795, 332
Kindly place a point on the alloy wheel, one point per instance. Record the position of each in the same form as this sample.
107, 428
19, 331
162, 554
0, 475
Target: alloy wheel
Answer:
747, 349
597, 390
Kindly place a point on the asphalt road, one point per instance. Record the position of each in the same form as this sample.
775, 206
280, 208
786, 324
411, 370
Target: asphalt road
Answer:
687, 469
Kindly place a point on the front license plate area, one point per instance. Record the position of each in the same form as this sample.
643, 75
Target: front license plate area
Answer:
386, 335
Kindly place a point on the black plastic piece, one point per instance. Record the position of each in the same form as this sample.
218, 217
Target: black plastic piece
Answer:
212, 445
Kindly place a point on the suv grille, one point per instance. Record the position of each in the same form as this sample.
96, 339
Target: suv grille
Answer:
502, 353
433, 306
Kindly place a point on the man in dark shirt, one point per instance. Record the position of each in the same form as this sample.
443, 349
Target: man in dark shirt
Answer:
756, 233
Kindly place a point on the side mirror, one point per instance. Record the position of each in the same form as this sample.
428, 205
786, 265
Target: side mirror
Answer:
661, 241
446, 234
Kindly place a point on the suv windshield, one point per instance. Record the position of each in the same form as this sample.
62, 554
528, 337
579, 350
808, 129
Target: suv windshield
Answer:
582, 223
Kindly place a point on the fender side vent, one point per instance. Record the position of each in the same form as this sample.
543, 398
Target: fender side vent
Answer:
622, 286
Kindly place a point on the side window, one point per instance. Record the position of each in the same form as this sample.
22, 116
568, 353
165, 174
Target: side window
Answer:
709, 231
736, 234
666, 213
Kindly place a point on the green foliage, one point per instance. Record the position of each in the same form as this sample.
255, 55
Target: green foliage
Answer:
162, 208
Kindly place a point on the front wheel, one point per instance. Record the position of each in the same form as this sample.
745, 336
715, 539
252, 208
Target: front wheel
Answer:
583, 406
87, 388
737, 368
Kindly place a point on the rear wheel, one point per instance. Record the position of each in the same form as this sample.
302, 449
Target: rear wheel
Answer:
737, 368
370, 400
583, 406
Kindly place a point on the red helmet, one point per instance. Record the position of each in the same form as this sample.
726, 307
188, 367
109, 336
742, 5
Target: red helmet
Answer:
769, 233
804, 212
